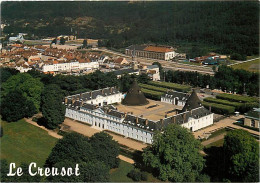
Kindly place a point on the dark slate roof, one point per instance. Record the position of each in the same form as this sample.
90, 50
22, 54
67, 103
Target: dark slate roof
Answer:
92, 95
254, 113
116, 113
174, 94
139, 122
192, 102
135, 96
184, 116
124, 71
152, 66
89, 106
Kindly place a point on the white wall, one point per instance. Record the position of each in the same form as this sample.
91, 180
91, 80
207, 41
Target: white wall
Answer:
170, 55
197, 124
111, 99
111, 123
172, 101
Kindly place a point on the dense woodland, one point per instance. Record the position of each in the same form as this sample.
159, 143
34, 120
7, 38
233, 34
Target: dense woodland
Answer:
224, 27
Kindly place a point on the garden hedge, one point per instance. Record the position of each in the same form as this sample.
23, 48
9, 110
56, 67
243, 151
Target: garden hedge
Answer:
236, 98
219, 108
174, 86
151, 94
151, 87
238, 106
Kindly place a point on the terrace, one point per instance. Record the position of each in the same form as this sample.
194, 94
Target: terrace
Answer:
155, 113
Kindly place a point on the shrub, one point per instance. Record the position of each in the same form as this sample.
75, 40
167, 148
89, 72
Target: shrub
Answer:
238, 106
219, 108
136, 175
143, 176
237, 56
174, 86
152, 94
151, 87
236, 98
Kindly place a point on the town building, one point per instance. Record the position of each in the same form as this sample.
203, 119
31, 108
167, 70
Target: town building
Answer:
175, 98
58, 66
93, 108
152, 71
151, 51
129, 71
252, 118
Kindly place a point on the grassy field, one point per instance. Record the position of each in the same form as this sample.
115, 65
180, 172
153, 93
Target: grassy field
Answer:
218, 143
120, 174
23, 142
252, 66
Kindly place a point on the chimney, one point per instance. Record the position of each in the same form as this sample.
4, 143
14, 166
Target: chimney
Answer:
125, 114
137, 120
73, 100
174, 119
209, 108
111, 89
80, 95
161, 121
184, 116
102, 91
146, 122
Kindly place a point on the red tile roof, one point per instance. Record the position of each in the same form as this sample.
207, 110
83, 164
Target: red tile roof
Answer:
158, 49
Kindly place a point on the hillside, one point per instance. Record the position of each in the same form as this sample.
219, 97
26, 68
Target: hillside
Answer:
227, 27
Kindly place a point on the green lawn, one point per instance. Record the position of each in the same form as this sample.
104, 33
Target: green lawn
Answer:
23, 142
218, 143
120, 174
252, 66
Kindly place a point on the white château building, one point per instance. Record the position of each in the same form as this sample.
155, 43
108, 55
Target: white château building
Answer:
93, 108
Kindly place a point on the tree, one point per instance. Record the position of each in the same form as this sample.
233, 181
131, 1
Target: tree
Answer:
6, 73
15, 106
175, 155
4, 171
241, 156
72, 147
106, 149
54, 41
143, 78
26, 177
85, 43
53, 110
75, 149
125, 82
94, 171
62, 41
31, 88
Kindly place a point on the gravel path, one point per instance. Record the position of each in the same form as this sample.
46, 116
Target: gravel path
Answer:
50, 132
89, 131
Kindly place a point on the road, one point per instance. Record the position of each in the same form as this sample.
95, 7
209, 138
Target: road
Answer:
240, 62
89, 132
225, 123
166, 64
